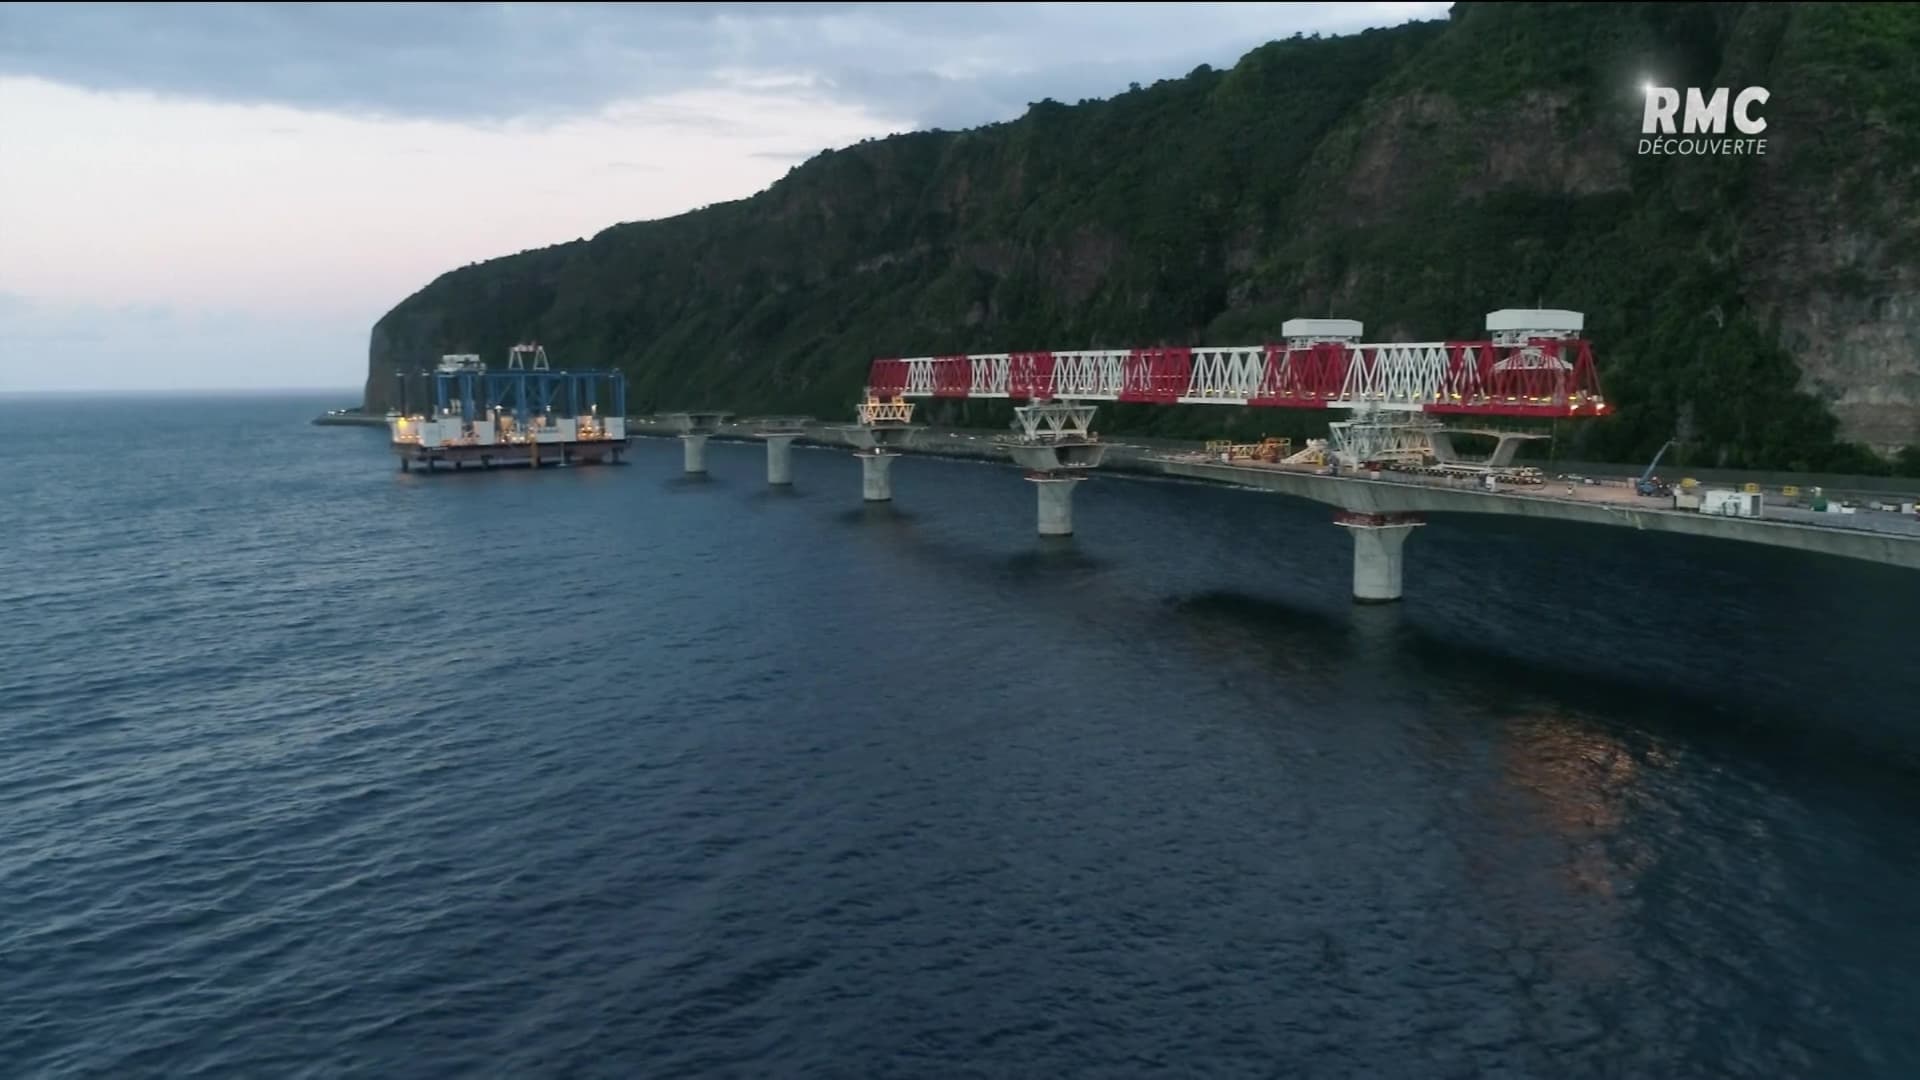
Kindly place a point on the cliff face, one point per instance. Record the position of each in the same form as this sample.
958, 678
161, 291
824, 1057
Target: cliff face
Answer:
1832, 245
1763, 308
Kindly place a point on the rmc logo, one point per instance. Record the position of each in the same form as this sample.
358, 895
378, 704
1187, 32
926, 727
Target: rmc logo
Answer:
1704, 115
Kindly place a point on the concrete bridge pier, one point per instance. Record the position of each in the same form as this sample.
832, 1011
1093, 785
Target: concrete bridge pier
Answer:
780, 458
883, 426
1377, 557
1056, 502
695, 452
876, 474
1057, 447
696, 427
779, 432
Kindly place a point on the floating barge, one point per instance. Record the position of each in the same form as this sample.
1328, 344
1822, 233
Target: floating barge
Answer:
527, 416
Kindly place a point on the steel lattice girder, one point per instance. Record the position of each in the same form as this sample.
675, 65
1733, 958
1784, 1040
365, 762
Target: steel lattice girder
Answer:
1546, 377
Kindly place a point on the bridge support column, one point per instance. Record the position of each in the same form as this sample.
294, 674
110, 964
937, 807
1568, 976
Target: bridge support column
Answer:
883, 425
695, 429
1057, 446
1377, 543
779, 432
695, 447
780, 458
876, 480
1056, 502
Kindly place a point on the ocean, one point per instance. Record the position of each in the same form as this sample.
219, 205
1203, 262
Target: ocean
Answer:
309, 767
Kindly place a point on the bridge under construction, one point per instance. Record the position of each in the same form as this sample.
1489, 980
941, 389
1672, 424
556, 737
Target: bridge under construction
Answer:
1403, 405
1389, 460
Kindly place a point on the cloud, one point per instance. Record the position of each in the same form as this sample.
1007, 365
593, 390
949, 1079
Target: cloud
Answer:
229, 195
92, 347
116, 198
938, 64
153, 243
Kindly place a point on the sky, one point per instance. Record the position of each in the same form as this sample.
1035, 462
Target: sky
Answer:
229, 196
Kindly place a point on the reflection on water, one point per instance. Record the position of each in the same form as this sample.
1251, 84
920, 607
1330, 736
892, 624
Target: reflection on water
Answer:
798, 784
874, 513
690, 482
1577, 782
1550, 830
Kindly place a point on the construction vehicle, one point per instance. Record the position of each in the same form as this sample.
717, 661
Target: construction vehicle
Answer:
1649, 484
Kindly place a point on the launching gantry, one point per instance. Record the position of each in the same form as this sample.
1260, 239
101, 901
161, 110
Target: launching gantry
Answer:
1532, 364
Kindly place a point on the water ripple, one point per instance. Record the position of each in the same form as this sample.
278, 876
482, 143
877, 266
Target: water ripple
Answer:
315, 769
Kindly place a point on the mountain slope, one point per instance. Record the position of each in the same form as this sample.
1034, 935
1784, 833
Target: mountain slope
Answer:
1765, 309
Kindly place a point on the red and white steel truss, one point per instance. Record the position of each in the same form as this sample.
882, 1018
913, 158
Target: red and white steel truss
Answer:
1546, 376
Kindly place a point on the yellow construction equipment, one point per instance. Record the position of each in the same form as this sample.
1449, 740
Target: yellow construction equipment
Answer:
1267, 450
1315, 453
875, 411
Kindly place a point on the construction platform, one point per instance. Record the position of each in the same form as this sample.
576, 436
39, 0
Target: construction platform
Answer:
527, 416
553, 447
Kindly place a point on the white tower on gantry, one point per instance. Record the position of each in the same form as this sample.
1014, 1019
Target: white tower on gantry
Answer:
528, 356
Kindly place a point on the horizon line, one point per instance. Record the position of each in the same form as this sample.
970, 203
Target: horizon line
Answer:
120, 391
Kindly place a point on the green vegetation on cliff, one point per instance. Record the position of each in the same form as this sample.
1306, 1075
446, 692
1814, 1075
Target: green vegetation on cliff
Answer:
1413, 178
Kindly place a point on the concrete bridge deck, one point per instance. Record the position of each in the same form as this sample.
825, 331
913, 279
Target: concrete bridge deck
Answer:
1381, 512
1589, 506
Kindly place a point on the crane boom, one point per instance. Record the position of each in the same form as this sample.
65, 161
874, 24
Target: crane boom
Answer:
1655, 463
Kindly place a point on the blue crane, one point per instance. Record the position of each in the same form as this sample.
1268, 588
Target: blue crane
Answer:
1647, 485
